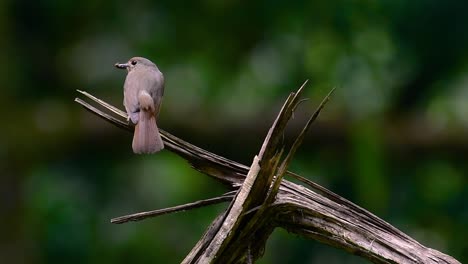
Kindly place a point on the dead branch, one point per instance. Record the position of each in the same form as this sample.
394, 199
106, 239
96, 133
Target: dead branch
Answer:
263, 201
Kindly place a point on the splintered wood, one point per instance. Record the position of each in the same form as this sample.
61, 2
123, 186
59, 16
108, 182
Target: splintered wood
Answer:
261, 200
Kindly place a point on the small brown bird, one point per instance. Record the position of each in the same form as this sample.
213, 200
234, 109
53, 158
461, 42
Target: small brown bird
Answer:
143, 92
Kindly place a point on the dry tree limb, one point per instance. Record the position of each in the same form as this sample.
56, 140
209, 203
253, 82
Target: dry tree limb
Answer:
184, 207
239, 234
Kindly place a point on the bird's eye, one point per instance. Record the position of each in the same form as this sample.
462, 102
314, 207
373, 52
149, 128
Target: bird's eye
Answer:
133, 62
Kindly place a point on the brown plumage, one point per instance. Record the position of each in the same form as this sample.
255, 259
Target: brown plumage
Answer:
143, 92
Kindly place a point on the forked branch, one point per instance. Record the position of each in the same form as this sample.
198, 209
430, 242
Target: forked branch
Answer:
264, 201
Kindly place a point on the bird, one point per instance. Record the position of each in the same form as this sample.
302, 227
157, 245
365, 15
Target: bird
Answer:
143, 92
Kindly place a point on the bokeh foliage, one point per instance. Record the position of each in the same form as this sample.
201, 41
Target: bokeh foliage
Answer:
393, 139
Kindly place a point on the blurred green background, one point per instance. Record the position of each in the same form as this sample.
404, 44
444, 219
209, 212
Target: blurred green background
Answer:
393, 139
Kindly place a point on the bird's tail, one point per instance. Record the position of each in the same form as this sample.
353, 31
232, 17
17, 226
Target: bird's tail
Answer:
146, 138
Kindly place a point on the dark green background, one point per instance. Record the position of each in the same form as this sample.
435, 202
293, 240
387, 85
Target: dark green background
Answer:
393, 139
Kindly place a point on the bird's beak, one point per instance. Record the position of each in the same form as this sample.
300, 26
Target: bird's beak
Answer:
122, 65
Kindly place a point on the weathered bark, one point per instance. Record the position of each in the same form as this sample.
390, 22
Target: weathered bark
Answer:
264, 201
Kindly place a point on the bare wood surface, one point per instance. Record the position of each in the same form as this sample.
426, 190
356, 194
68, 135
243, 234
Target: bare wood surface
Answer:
311, 211
232, 241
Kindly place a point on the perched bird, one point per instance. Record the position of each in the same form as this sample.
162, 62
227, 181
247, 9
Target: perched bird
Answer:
143, 92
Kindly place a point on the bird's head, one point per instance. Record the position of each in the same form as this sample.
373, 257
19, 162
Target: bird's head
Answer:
135, 63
